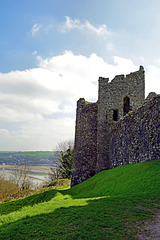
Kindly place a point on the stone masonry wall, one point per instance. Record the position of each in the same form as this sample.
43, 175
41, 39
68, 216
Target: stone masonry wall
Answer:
111, 97
103, 141
85, 153
136, 138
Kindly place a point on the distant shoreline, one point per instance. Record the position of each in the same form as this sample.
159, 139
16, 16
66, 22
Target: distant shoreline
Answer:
41, 168
37, 168
38, 174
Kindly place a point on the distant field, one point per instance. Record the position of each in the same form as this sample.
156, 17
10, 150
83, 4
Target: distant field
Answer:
37, 154
29, 157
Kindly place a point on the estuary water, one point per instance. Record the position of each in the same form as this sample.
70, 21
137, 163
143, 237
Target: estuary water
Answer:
37, 175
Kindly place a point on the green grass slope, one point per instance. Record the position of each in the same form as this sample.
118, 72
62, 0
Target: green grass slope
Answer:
105, 206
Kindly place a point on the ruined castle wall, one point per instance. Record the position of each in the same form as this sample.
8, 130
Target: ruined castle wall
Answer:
103, 128
108, 135
111, 94
136, 138
85, 153
110, 99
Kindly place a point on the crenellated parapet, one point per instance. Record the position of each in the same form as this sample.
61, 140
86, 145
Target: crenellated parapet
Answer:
120, 128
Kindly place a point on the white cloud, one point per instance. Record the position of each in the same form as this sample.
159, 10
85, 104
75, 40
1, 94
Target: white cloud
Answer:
71, 24
48, 27
110, 47
152, 79
10, 114
34, 53
4, 133
40, 135
35, 29
42, 101
124, 65
45, 27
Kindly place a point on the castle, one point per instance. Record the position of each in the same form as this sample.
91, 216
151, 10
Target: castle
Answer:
120, 128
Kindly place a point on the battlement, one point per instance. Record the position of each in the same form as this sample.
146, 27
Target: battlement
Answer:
81, 103
103, 80
98, 146
112, 95
139, 75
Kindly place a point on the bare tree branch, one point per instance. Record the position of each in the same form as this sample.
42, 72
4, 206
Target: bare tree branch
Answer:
20, 176
60, 148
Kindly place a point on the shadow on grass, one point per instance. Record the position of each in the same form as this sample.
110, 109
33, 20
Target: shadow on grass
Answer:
89, 211
103, 218
10, 206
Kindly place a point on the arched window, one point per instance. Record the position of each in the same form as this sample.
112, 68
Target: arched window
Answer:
126, 105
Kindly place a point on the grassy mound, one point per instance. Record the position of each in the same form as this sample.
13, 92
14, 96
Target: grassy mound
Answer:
135, 179
103, 207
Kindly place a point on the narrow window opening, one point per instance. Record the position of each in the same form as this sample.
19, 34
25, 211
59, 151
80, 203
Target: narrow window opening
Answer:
126, 105
106, 116
115, 115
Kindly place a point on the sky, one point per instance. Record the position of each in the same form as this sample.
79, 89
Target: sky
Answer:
52, 53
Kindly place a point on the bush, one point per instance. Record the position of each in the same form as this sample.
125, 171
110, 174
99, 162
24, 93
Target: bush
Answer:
8, 190
60, 183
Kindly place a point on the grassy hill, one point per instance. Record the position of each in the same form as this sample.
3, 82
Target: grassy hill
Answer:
106, 206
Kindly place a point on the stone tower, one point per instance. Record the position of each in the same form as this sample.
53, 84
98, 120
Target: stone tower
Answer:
115, 100
94, 122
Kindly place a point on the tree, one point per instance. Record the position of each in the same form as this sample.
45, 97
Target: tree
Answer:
62, 164
65, 145
20, 176
66, 163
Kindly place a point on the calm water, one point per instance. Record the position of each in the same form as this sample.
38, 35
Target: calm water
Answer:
37, 178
